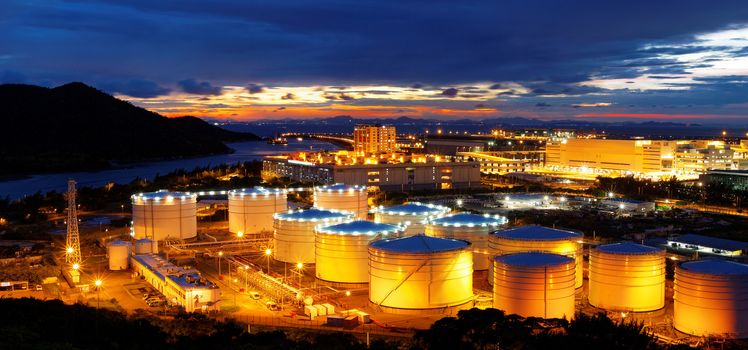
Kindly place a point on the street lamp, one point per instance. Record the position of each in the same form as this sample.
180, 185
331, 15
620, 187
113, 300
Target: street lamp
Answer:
98, 284
220, 255
299, 266
267, 255
240, 234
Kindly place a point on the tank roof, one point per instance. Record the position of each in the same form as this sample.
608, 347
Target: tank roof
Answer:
164, 194
118, 242
715, 267
628, 248
340, 187
537, 232
359, 227
313, 214
468, 219
533, 259
419, 244
255, 191
414, 208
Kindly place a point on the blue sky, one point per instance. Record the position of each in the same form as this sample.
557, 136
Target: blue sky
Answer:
609, 60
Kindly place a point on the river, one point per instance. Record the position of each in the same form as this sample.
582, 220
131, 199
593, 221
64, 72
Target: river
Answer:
244, 151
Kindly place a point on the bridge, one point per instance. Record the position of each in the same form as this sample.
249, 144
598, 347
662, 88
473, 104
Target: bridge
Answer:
340, 139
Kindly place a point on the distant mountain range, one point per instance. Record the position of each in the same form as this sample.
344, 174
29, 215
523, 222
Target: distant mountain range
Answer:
76, 127
344, 124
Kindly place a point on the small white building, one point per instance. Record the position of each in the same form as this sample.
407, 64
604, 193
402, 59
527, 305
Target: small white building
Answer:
185, 287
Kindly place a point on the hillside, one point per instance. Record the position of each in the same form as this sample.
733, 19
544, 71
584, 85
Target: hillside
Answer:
76, 127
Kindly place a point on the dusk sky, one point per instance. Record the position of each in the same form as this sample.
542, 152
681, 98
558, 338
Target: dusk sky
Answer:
240, 59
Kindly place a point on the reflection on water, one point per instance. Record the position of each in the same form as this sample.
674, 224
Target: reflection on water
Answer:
244, 151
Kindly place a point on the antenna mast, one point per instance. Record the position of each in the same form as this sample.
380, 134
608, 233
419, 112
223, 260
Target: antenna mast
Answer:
73, 244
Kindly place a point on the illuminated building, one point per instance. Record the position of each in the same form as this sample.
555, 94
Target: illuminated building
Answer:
343, 197
650, 158
185, 287
535, 238
374, 139
473, 228
163, 214
711, 298
413, 215
251, 210
628, 205
627, 277
499, 162
735, 179
391, 172
534, 285
342, 250
707, 245
420, 274
293, 237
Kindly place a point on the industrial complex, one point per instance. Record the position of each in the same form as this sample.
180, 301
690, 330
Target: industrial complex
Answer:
337, 256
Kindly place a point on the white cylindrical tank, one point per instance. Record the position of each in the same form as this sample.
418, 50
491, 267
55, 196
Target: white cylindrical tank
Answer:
412, 215
627, 277
473, 228
534, 285
251, 210
294, 233
711, 298
535, 238
342, 250
146, 246
119, 255
353, 198
420, 273
163, 214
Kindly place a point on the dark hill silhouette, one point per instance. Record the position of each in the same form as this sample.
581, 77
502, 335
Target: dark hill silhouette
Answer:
77, 127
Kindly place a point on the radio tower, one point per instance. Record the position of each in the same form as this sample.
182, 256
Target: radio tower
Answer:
73, 244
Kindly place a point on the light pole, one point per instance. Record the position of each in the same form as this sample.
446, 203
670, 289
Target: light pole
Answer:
299, 266
246, 272
220, 255
98, 284
267, 255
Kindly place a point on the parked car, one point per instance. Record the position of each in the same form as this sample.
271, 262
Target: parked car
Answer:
38, 288
255, 295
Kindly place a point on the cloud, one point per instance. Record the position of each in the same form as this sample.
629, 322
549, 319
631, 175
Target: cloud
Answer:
279, 109
193, 86
542, 105
450, 92
135, 88
288, 96
416, 86
255, 88
338, 96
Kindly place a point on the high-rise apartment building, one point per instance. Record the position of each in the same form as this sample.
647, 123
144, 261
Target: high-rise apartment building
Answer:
374, 139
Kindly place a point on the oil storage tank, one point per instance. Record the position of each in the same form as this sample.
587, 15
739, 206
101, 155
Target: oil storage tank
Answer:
353, 198
412, 215
534, 285
146, 246
473, 228
251, 210
535, 238
711, 298
293, 237
342, 250
627, 277
420, 274
118, 253
163, 214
